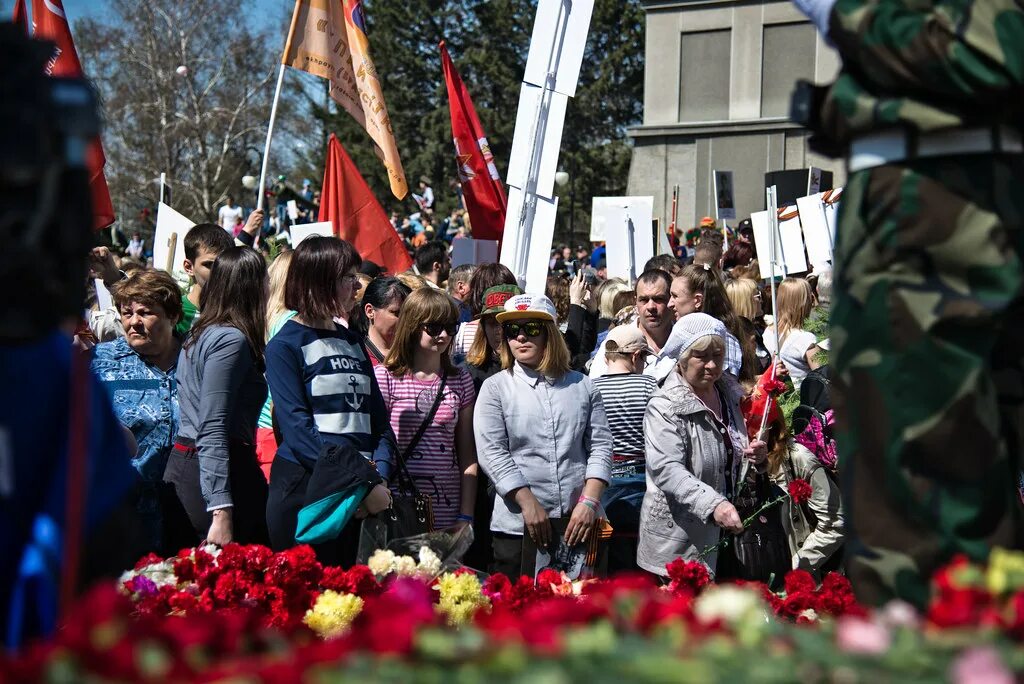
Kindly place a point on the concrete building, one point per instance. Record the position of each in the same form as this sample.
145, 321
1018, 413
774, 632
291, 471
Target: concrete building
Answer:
719, 74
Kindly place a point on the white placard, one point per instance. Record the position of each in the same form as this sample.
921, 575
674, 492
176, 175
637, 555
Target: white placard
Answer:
762, 242
626, 220
792, 240
599, 209
539, 253
301, 231
103, 299
293, 210
168, 223
544, 43
551, 122
469, 251
725, 196
815, 228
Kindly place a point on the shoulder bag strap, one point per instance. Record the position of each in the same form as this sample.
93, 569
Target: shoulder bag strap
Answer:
403, 469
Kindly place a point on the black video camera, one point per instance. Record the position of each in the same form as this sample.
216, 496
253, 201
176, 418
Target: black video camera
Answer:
46, 127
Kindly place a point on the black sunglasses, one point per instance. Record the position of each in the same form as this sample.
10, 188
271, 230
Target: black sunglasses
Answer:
530, 329
435, 329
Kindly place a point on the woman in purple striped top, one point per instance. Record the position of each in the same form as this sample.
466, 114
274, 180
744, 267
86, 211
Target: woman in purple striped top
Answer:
442, 462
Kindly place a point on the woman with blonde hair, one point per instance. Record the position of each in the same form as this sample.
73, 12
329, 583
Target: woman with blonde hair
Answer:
745, 296
430, 403
277, 315
543, 438
795, 302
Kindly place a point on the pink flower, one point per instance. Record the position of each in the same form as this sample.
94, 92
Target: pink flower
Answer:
857, 635
980, 666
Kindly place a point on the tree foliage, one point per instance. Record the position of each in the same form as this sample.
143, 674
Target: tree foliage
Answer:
489, 41
205, 128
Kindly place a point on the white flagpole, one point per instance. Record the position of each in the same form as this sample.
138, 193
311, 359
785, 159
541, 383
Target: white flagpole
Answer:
163, 181
773, 224
529, 200
270, 133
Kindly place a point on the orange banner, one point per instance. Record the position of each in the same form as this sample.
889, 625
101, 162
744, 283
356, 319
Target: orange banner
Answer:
328, 39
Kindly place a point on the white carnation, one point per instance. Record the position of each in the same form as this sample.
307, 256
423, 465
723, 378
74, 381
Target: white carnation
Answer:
727, 603
430, 563
405, 566
382, 562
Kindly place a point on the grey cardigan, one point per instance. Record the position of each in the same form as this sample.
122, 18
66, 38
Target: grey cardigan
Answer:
220, 393
686, 463
548, 434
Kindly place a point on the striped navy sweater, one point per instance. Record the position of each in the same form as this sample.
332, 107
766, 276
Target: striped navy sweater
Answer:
324, 392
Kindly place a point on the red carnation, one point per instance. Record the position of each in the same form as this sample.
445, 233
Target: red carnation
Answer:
548, 577
358, 580
800, 581
691, 576
497, 586
800, 491
148, 559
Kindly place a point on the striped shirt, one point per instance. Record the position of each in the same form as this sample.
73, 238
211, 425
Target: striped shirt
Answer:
324, 393
625, 397
434, 463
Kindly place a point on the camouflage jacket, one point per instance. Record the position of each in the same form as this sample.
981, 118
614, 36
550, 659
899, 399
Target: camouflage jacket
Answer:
924, 65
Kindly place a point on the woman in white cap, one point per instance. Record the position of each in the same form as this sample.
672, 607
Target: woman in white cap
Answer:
542, 438
695, 441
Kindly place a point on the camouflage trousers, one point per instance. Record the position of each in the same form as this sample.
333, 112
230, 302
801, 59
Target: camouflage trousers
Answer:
928, 342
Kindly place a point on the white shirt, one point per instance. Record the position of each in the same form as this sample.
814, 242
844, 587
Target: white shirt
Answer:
794, 352
228, 217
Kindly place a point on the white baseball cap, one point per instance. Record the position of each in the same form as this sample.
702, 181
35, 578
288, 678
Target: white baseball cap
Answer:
529, 306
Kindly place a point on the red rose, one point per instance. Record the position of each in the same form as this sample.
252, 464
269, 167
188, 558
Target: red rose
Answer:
800, 491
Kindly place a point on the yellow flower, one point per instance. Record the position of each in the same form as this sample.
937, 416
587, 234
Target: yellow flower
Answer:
381, 562
333, 613
461, 597
1005, 571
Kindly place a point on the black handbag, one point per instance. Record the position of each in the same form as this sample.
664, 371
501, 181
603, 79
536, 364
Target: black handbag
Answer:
411, 512
761, 552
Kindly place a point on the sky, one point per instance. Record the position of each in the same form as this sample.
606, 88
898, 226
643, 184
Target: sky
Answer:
267, 10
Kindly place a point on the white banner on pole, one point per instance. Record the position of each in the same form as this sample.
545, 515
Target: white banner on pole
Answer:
573, 44
628, 250
540, 239
763, 243
301, 231
815, 229
171, 228
792, 240
519, 162
470, 251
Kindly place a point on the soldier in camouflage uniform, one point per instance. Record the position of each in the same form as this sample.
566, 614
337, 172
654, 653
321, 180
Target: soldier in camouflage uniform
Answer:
928, 320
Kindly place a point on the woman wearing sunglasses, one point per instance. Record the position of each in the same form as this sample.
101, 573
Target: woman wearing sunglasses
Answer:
543, 438
430, 402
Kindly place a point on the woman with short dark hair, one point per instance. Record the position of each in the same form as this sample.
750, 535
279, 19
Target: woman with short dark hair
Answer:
138, 372
378, 316
213, 466
324, 393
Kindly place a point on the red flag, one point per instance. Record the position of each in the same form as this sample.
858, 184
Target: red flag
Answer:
51, 23
481, 186
347, 202
21, 15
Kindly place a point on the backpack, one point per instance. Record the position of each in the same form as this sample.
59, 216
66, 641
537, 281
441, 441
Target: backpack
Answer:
816, 389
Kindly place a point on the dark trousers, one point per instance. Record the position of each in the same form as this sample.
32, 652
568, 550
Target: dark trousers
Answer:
286, 496
248, 492
508, 556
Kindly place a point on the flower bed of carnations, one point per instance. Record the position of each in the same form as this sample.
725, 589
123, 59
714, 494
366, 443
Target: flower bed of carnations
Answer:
243, 613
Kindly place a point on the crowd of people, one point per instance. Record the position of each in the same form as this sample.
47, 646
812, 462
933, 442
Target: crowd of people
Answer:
630, 413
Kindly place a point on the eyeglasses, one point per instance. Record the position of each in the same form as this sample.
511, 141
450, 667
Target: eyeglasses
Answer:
530, 329
435, 329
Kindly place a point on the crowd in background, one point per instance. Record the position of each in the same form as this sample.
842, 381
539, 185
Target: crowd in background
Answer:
633, 412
